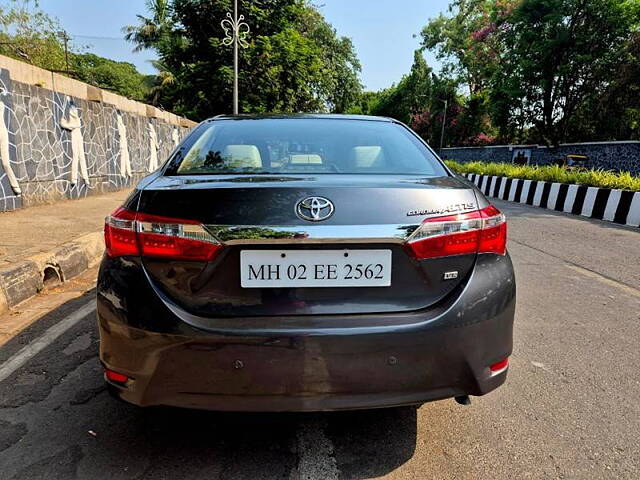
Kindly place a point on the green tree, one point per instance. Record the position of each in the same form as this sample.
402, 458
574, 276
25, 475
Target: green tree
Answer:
556, 56
427, 121
118, 77
294, 62
152, 30
366, 103
462, 40
413, 94
541, 70
30, 35
340, 67
613, 112
419, 101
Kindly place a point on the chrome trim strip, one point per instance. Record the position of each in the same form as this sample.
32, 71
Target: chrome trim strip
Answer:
310, 234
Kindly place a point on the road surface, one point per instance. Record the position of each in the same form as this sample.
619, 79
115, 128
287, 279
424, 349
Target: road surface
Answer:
570, 407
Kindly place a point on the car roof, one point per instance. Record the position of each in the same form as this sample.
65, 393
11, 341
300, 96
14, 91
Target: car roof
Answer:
323, 116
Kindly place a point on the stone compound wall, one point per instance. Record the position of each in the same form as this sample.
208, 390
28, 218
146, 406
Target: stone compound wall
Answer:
618, 156
63, 139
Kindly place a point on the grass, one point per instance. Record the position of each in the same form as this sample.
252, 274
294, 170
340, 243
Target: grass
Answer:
551, 173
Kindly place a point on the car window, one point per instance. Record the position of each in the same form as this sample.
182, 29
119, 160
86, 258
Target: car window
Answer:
307, 145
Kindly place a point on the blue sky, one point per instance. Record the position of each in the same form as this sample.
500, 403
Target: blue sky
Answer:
382, 30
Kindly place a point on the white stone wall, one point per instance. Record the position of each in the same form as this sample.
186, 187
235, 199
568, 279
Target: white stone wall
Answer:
42, 139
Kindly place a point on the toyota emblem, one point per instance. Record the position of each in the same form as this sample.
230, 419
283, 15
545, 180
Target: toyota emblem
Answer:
314, 209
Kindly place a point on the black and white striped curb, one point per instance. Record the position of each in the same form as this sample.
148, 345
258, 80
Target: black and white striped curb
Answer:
619, 206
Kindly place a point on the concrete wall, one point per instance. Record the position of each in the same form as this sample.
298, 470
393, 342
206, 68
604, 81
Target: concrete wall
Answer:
619, 156
49, 122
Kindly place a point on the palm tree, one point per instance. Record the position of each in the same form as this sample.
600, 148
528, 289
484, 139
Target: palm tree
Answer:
150, 31
164, 79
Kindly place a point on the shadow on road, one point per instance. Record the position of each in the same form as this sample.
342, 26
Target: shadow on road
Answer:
58, 421
372, 443
238, 445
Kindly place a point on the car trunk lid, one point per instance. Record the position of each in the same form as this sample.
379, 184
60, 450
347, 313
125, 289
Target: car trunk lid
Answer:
257, 213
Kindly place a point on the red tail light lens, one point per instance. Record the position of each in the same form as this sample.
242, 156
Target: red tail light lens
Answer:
483, 231
120, 233
128, 233
493, 237
171, 238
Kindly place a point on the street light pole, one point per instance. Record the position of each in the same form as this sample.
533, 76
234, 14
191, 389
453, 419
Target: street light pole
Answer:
235, 61
65, 38
444, 121
236, 32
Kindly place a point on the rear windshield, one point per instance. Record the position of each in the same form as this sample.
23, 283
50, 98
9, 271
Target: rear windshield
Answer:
306, 146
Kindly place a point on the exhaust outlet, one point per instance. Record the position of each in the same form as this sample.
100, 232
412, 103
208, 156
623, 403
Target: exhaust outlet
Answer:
463, 400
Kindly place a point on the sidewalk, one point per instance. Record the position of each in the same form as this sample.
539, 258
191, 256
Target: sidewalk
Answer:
41, 228
50, 243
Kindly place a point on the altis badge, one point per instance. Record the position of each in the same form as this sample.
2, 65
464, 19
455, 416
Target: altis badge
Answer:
458, 207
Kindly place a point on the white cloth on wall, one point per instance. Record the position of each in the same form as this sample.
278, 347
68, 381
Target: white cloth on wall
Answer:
78, 158
153, 147
125, 161
4, 152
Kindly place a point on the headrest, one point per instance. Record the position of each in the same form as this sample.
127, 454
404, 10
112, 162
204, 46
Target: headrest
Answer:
242, 156
367, 156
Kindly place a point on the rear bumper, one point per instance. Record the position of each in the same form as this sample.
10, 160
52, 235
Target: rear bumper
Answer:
396, 360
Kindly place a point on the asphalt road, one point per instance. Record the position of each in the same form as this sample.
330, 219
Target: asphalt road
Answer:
570, 407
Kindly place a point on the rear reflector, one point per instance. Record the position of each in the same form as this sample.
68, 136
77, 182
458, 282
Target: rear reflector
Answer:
139, 234
499, 367
482, 231
115, 376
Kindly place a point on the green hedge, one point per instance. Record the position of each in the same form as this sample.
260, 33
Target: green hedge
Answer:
551, 173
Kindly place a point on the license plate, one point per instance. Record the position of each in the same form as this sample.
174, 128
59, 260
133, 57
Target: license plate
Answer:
315, 268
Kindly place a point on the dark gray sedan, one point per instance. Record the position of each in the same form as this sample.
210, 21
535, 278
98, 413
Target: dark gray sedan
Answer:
300, 263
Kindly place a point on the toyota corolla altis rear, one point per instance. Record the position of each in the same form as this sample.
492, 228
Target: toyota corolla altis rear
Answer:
304, 263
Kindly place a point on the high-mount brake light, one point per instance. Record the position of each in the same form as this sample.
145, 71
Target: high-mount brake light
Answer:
139, 234
482, 231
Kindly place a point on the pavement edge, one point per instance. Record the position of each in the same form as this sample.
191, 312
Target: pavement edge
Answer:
30, 276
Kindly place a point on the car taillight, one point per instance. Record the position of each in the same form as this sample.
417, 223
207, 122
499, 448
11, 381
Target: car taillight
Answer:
120, 233
139, 234
172, 238
483, 231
